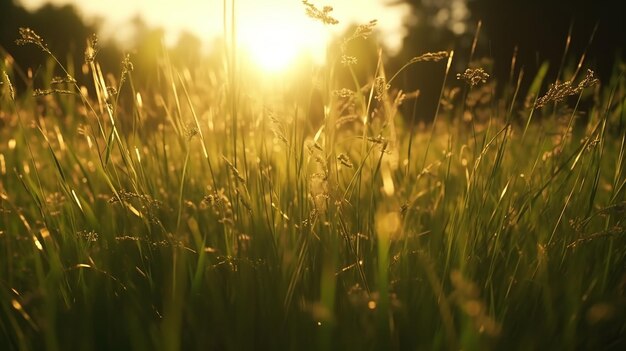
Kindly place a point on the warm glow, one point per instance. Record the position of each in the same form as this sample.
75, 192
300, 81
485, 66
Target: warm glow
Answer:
273, 48
273, 33
273, 41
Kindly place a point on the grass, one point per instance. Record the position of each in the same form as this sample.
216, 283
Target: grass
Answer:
207, 212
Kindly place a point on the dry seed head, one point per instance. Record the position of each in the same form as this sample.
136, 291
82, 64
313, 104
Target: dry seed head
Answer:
617, 209
234, 170
431, 57
365, 30
559, 91
61, 80
92, 48
362, 31
90, 236
44, 92
377, 140
191, 131
127, 64
5, 80
589, 80
345, 160
28, 36
127, 67
348, 60
343, 93
278, 128
313, 146
381, 87
322, 15
474, 76
111, 91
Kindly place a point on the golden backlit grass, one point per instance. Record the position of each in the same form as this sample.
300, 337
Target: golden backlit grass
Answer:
203, 212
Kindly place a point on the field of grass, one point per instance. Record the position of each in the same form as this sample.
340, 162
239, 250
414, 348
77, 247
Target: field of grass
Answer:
213, 210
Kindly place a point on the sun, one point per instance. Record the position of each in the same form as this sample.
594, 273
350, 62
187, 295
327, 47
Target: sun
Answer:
273, 46
273, 41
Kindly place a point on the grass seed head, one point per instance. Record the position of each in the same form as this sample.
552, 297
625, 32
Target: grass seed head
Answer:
362, 31
431, 57
45, 92
60, 80
191, 131
343, 93
234, 171
474, 76
322, 15
589, 80
127, 67
348, 60
381, 87
28, 36
92, 49
5, 80
345, 160
559, 91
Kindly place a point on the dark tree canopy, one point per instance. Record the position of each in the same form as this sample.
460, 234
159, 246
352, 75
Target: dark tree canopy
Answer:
537, 28
65, 31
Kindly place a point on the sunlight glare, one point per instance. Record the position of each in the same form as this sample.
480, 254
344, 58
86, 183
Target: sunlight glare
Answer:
272, 48
274, 41
274, 34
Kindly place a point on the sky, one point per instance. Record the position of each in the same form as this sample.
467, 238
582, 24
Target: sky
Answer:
259, 22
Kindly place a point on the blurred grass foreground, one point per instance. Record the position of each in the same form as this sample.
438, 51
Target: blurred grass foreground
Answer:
218, 208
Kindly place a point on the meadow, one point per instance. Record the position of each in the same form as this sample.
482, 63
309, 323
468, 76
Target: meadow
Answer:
218, 210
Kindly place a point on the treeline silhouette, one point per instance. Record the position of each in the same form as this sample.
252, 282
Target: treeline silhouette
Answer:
536, 30
64, 30
66, 34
